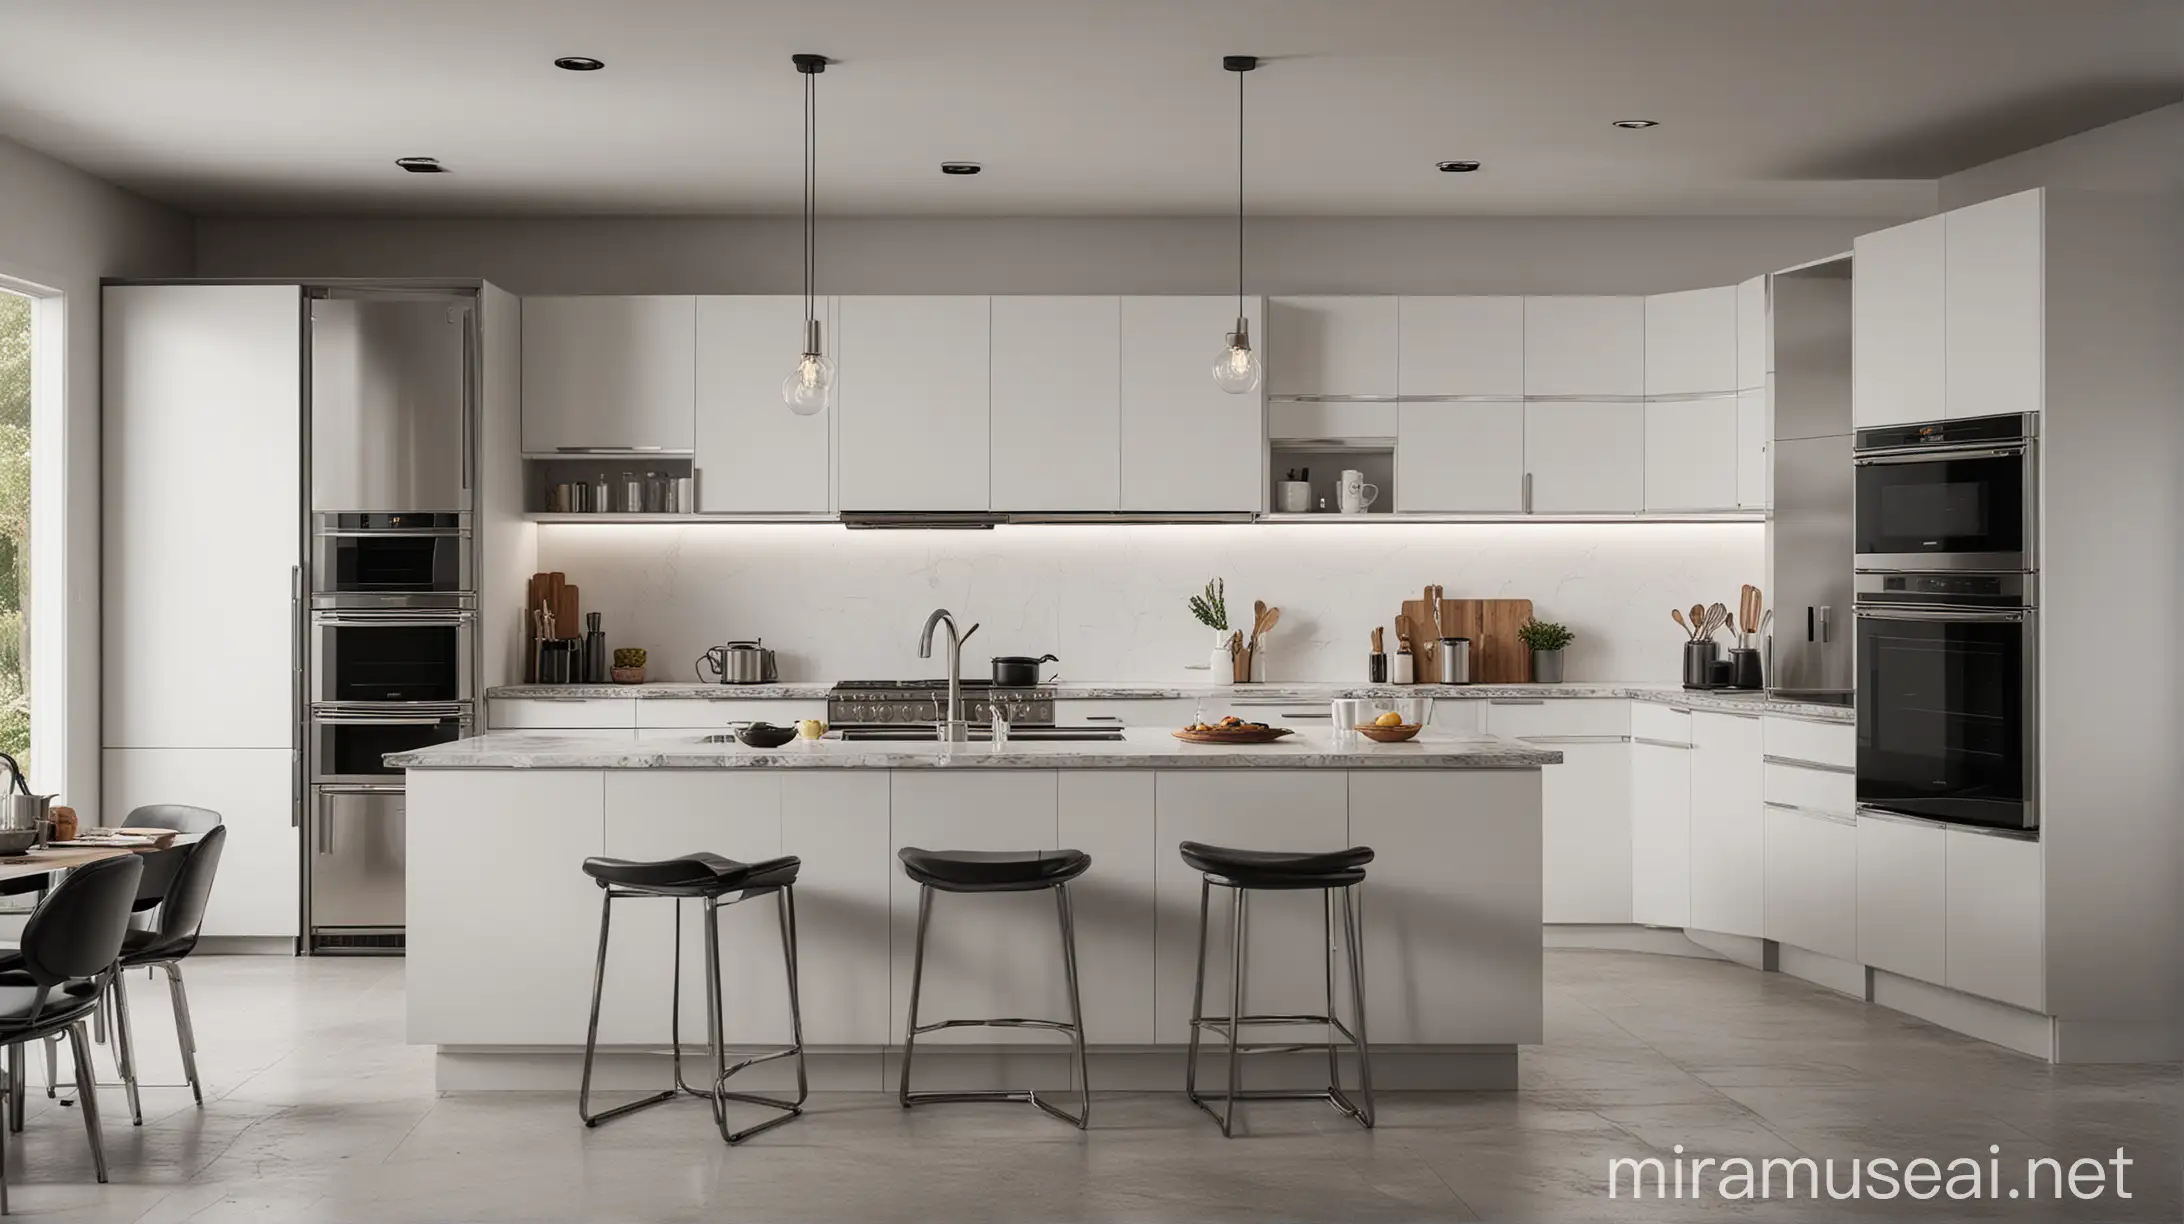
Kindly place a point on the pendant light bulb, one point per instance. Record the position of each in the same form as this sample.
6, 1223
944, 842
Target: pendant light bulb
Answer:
806, 388
1236, 370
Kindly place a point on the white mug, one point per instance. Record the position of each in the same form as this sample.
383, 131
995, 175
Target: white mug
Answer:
1356, 494
1294, 496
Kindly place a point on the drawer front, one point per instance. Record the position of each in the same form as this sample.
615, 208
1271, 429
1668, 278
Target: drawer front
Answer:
573, 713
1820, 743
1660, 723
1521, 718
667, 714
1170, 712
1289, 419
1814, 790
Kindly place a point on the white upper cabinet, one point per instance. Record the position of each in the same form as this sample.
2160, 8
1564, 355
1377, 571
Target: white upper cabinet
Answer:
754, 456
1584, 346
912, 388
1057, 403
1691, 454
1330, 346
1995, 324
1460, 346
1691, 341
1463, 457
1755, 334
610, 373
1585, 456
1897, 310
1755, 446
1187, 445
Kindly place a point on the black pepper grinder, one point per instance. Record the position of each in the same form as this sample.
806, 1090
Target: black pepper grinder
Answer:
595, 650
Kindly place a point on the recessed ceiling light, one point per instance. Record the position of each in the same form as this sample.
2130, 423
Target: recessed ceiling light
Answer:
579, 63
1456, 167
1635, 124
421, 165
960, 167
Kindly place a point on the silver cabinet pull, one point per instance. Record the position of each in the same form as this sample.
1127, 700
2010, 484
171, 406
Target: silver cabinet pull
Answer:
1527, 492
1801, 763
1814, 813
1516, 701
1657, 743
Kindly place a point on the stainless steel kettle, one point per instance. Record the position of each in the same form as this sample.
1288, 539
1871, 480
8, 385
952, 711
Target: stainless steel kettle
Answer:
23, 816
739, 663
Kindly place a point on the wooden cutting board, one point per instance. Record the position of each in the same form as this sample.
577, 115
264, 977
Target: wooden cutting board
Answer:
1498, 656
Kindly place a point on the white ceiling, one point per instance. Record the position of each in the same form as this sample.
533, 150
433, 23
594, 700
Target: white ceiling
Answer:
1090, 107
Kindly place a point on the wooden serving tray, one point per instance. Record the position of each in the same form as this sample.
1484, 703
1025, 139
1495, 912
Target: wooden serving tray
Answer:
1240, 735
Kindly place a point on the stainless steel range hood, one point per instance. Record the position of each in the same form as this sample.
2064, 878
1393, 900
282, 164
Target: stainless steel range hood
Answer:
946, 520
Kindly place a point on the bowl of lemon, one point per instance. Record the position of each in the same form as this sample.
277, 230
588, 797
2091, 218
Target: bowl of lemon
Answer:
1389, 728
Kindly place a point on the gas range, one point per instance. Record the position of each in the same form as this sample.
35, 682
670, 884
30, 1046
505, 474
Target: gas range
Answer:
855, 703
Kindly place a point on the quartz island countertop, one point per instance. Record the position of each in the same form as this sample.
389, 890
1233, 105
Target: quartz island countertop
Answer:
1140, 748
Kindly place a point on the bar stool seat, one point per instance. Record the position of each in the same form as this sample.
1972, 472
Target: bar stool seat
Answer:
992, 870
1275, 869
703, 874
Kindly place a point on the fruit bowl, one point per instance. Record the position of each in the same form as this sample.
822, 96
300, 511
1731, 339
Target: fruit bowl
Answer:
1389, 735
764, 735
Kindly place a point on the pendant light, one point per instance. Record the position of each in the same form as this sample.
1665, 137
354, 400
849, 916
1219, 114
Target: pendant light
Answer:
1236, 370
806, 388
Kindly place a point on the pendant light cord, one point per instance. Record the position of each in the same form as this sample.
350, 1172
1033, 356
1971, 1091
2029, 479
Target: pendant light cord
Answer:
1240, 195
811, 214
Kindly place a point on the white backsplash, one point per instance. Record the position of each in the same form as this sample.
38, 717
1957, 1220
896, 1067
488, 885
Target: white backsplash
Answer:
1109, 600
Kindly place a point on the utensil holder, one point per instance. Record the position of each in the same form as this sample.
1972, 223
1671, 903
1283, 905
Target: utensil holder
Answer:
1698, 663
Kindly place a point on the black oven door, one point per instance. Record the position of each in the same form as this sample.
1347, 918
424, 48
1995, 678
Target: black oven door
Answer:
1946, 715
407, 559
349, 747
381, 657
1944, 510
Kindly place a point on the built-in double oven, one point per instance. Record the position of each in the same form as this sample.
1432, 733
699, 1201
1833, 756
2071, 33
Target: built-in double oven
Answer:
1947, 595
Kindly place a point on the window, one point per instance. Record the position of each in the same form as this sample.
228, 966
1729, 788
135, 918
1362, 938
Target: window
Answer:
15, 401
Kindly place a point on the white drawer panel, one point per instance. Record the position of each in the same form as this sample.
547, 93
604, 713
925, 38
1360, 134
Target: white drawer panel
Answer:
698, 713
1168, 712
1666, 724
1286, 419
1818, 742
1815, 790
570, 713
1517, 717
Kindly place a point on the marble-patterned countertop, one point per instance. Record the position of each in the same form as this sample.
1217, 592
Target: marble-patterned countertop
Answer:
1141, 748
1729, 700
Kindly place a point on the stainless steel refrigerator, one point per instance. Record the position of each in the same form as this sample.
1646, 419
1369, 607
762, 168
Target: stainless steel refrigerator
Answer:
1812, 646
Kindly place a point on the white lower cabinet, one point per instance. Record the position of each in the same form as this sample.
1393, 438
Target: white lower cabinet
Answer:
1728, 835
256, 890
1660, 830
561, 714
1109, 814
1585, 456
1586, 825
1812, 881
1459, 457
1902, 906
1996, 923
836, 821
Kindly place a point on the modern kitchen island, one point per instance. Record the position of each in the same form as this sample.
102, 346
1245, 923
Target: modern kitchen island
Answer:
503, 925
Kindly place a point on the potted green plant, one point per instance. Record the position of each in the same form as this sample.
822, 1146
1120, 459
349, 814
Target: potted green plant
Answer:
1210, 607
1545, 639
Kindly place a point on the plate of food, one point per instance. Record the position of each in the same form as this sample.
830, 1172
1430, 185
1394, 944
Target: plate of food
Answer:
1231, 730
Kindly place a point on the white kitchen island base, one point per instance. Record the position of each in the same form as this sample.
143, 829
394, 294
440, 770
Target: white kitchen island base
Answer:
503, 925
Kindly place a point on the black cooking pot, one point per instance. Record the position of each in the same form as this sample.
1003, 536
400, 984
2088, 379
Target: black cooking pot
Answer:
1018, 671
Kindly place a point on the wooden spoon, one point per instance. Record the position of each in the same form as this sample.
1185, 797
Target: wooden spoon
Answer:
1268, 619
1676, 614
1698, 621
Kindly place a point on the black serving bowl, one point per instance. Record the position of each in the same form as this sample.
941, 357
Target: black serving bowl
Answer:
764, 735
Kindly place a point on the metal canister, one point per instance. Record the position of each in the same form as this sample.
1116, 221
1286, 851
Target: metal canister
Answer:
1455, 660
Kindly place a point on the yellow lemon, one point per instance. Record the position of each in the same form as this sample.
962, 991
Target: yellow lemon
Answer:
811, 728
1389, 719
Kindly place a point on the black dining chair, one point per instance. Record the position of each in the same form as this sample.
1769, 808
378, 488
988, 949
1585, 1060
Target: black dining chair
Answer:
168, 936
69, 955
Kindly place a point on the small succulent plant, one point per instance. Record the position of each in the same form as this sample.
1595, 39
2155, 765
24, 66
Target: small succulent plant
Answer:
629, 656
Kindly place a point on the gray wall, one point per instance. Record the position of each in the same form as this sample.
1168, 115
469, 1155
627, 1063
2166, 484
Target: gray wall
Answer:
2144, 153
1035, 255
62, 229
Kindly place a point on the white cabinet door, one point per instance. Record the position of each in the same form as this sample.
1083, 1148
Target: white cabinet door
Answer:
1109, 814
1755, 334
1997, 919
1691, 455
256, 892
1458, 457
1585, 456
1728, 833
836, 821
1902, 910
913, 393
1996, 317
536, 827
1586, 832
990, 954
1289, 809
1897, 308
1057, 403
1812, 881
1331, 346
1584, 346
1660, 833
203, 486
1755, 449
1187, 445
1691, 341
611, 373
754, 456
1460, 346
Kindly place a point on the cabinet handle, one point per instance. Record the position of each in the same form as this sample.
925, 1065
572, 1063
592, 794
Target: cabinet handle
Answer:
1574, 739
1655, 743
1527, 492
1873, 813
1516, 701
609, 450
1801, 763
1814, 813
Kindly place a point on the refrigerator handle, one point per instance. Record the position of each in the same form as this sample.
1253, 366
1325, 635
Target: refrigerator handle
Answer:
469, 320
322, 835
1826, 629
295, 702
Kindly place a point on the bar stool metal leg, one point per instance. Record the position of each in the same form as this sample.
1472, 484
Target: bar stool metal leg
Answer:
591, 1031
718, 1094
1198, 991
1081, 1077
1354, 923
917, 987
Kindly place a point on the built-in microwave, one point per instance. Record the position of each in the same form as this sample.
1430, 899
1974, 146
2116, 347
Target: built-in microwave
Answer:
413, 560
381, 657
1947, 495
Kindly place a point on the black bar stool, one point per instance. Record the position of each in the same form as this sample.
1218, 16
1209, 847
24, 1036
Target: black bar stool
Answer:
1244, 871
708, 878
994, 871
